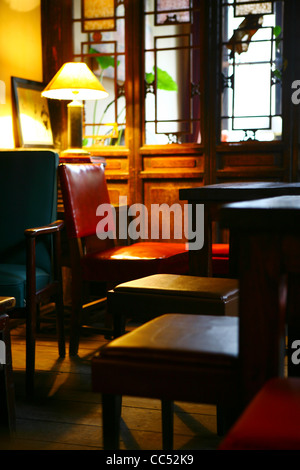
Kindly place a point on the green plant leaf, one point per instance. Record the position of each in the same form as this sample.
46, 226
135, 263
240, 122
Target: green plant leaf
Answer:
104, 61
149, 77
164, 80
277, 74
277, 31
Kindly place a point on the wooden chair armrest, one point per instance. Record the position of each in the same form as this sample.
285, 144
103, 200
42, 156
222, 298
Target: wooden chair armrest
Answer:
47, 229
31, 235
6, 303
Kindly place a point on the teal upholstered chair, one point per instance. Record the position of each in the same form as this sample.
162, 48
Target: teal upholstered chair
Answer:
30, 240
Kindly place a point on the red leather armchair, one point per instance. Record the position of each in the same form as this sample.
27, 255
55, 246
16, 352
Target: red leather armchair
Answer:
84, 189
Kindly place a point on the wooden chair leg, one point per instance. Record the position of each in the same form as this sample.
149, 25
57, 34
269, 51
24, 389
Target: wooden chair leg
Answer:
167, 409
30, 347
7, 392
7, 403
226, 417
119, 324
111, 414
75, 321
60, 326
38, 318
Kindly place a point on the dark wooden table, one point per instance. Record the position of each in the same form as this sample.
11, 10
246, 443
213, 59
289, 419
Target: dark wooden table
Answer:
213, 197
268, 233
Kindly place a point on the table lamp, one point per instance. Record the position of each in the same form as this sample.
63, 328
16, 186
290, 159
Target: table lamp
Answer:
75, 82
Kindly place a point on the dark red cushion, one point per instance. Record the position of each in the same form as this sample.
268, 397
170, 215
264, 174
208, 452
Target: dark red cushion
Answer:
271, 421
135, 261
220, 259
220, 250
146, 258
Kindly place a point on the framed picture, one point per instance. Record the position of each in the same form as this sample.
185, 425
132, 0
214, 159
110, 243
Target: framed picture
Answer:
31, 117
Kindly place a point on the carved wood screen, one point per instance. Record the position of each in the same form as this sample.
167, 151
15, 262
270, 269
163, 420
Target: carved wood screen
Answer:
252, 69
170, 51
149, 57
175, 70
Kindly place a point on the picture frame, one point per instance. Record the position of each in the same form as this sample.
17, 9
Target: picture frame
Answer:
31, 116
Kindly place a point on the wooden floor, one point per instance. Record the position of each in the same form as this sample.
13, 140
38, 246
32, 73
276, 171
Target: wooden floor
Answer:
66, 415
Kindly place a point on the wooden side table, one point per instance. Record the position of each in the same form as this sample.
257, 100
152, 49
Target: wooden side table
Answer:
213, 197
267, 232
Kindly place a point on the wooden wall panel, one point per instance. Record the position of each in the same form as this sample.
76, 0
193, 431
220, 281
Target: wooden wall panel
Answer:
178, 167
246, 161
173, 163
251, 161
117, 189
154, 174
166, 191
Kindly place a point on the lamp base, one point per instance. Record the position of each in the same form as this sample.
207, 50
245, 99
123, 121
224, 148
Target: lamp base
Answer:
75, 116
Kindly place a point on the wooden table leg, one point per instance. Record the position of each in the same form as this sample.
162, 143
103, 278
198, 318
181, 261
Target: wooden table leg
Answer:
201, 260
260, 272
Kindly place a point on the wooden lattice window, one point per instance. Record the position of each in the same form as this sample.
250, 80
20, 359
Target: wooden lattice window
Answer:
99, 40
252, 70
172, 71
171, 54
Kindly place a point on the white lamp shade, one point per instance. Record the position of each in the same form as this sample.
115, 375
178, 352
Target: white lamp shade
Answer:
75, 81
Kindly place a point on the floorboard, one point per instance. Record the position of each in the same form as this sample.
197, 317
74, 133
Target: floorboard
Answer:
66, 415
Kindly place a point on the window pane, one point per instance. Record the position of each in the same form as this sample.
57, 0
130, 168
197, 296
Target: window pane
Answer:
173, 11
101, 44
252, 68
256, 8
252, 91
99, 9
172, 73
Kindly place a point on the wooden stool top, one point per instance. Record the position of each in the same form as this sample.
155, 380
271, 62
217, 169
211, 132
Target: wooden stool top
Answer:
189, 339
178, 285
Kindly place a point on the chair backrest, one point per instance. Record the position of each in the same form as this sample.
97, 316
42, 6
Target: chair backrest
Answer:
84, 189
28, 185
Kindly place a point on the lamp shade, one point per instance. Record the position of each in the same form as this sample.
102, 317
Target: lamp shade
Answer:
75, 81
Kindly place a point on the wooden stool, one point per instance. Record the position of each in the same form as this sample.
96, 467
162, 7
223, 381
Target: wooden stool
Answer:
7, 396
167, 293
190, 358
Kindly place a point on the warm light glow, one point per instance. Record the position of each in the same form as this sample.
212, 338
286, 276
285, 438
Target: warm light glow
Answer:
6, 132
34, 130
2, 92
23, 5
20, 55
75, 81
